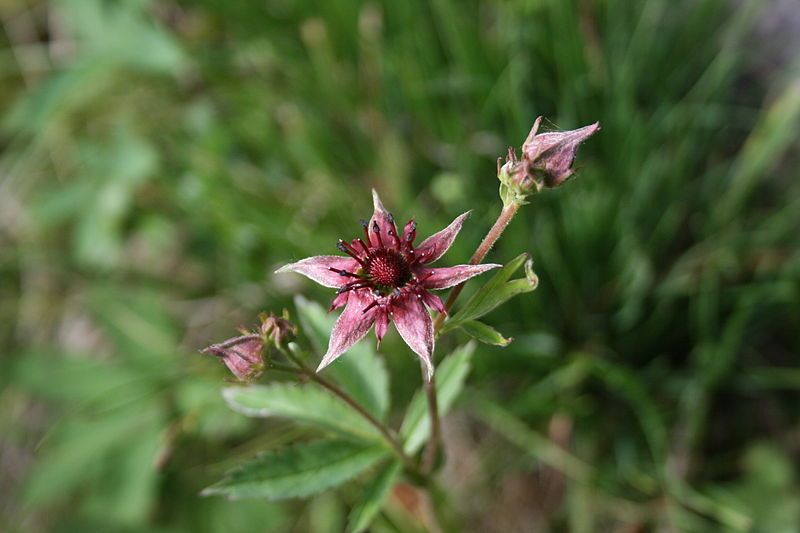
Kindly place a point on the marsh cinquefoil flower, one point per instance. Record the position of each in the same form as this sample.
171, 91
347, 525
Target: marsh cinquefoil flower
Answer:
384, 278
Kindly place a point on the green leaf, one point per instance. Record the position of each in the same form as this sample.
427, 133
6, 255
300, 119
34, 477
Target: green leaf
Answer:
496, 291
301, 403
361, 372
485, 333
298, 471
374, 496
450, 377
90, 453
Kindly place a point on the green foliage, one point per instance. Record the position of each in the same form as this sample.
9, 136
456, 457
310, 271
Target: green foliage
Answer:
450, 377
369, 504
307, 404
159, 160
498, 290
300, 470
484, 333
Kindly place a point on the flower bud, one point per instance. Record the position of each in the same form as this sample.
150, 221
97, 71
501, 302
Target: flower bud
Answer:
546, 161
277, 330
242, 355
549, 156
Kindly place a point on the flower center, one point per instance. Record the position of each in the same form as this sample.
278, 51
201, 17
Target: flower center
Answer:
388, 268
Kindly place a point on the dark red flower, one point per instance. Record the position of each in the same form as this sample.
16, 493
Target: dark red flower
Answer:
384, 278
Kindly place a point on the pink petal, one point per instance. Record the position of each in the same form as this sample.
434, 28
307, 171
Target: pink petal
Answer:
379, 212
444, 278
433, 302
380, 216
381, 325
318, 268
338, 301
350, 327
437, 244
415, 326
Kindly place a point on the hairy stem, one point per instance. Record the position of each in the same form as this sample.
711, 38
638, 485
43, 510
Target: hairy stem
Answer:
429, 457
488, 241
385, 432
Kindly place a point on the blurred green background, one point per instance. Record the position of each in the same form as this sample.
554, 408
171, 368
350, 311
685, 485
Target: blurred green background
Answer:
160, 159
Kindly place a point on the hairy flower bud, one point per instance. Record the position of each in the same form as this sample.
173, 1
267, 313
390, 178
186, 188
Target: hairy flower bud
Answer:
242, 355
546, 161
549, 156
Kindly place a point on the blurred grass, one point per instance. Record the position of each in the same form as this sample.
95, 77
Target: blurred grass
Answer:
159, 159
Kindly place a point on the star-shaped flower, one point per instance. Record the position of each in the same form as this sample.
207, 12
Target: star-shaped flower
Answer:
384, 278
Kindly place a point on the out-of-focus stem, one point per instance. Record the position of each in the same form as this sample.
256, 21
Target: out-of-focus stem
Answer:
429, 457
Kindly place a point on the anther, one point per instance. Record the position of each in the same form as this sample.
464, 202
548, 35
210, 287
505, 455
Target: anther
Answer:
377, 230
410, 232
344, 273
349, 250
365, 225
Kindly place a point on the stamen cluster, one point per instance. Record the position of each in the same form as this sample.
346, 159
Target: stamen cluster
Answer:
385, 265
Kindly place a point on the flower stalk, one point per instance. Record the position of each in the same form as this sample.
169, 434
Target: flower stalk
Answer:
497, 229
432, 448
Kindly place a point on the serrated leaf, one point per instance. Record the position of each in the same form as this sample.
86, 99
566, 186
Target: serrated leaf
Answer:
306, 404
450, 377
298, 471
496, 291
362, 373
374, 496
485, 333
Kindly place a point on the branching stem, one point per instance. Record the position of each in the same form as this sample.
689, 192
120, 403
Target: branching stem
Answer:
385, 432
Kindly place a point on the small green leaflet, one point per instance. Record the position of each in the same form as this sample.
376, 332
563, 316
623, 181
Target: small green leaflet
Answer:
450, 377
307, 404
374, 496
496, 291
298, 471
361, 372
484, 333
